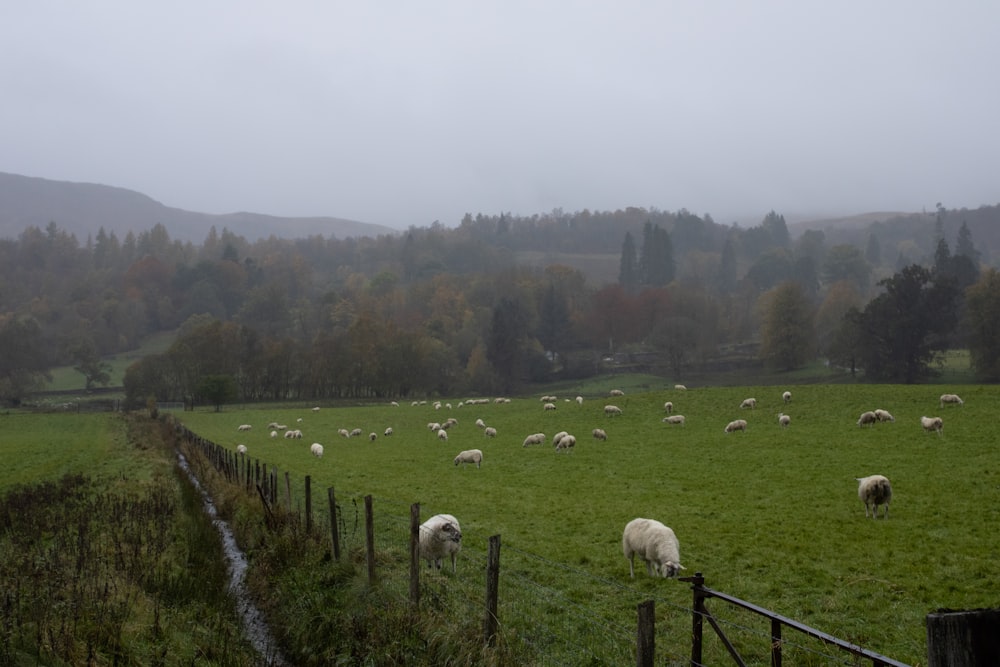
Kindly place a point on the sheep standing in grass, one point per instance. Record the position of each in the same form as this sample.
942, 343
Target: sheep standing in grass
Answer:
566, 443
599, 434
616, 392
442, 435
579, 400
534, 439
440, 536
749, 403
388, 431
469, 456
668, 407
549, 406
490, 432
559, 436
654, 543
612, 410
873, 491
952, 399
786, 397
736, 425
932, 424
884, 416
316, 449
867, 418
244, 427
784, 420
241, 449
674, 419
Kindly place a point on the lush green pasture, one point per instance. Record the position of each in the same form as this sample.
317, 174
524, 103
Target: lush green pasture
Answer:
770, 515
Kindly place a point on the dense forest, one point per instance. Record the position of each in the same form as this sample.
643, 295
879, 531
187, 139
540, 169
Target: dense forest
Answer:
491, 305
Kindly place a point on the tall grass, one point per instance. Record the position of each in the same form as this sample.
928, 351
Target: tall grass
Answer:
770, 515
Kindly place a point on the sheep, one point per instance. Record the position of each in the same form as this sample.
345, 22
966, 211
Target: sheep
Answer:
549, 406
244, 427
951, 398
442, 435
449, 422
355, 432
599, 434
434, 426
559, 436
579, 400
567, 442
932, 424
394, 404
875, 490
316, 449
388, 431
372, 436
490, 432
884, 416
470, 456
680, 387
612, 410
786, 397
440, 536
274, 434
480, 423
534, 439
616, 392
736, 425
316, 409
784, 420
241, 449
749, 403
868, 418
668, 407
674, 419
654, 543
344, 433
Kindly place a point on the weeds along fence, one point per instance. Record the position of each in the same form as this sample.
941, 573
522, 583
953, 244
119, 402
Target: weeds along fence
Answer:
528, 601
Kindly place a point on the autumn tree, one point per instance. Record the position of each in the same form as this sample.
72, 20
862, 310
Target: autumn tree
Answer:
787, 335
983, 325
89, 364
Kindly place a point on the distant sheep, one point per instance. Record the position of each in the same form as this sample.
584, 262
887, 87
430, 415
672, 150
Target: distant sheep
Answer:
372, 436
244, 427
440, 537
951, 399
786, 397
579, 400
315, 409
388, 432
534, 439
355, 432
599, 434
668, 407
480, 423
674, 419
470, 456
884, 416
566, 443
241, 449
736, 425
873, 491
558, 436
612, 410
932, 424
654, 543
490, 432
867, 418
344, 433
616, 392
316, 449
680, 387
549, 406
442, 434
274, 434
784, 420
749, 403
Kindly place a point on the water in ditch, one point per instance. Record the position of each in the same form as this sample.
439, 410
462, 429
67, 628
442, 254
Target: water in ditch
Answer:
254, 627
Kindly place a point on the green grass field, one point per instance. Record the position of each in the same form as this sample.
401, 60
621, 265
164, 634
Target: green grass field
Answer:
770, 515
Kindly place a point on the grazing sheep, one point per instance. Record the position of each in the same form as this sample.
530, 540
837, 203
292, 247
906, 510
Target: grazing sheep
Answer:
787, 397
316, 409
244, 427
394, 404
749, 403
674, 419
344, 433
490, 432
241, 449
534, 439
784, 420
355, 432
316, 449
579, 400
873, 491
884, 416
951, 398
449, 422
654, 543
388, 431
932, 424
612, 410
736, 425
274, 434
599, 434
434, 426
549, 406
868, 418
559, 436
668, 407
469, 456
680, 387
440, 536
567, 442
442, 434
372, 436
480, 423
616, 392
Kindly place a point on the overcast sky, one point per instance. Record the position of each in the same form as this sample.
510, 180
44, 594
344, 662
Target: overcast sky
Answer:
403, 113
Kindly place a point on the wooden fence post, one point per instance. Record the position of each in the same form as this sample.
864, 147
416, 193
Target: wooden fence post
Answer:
309, 505
334, 533
645, 644
697, 615
491, 622
415, 554
370, 538
963, 638
288, 491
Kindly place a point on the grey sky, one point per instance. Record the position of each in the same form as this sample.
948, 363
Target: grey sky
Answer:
403, 113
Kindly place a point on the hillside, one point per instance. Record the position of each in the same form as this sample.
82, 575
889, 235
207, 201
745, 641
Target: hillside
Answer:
84, 208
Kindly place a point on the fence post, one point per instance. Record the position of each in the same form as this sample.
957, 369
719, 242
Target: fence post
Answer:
492, 590
645, 635
288, 491
370, 538
334, 533
697, 614
309, 504
775, 643
415, 554
963, 638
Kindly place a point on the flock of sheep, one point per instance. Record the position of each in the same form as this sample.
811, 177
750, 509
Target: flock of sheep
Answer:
655, 543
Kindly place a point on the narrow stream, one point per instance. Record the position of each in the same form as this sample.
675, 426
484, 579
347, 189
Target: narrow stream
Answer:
254, 626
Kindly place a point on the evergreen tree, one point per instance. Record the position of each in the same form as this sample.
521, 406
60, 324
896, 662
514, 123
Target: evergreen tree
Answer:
725, 281
657, 256
964, 246
628, 268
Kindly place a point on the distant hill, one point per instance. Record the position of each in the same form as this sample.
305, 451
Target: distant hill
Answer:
83, 208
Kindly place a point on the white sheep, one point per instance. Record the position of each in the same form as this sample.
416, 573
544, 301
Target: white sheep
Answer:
316, 449
749, 403
873, 491
480, 423
884, 416
241, 449
274, 434
470, 456
736, 425
440, 536
868, 418
784, 420
534, 439
951, 398
355, 432
559, 436
372, 436
490, 432
786, 397
579, 400
442, 434
549, 406
567, 442
932, 424
316, 409
434, 426
599, 434
654, 543
680, 387
668, 407
344, 433
616, 392
244, 427
612, 410
674, 419
388, 431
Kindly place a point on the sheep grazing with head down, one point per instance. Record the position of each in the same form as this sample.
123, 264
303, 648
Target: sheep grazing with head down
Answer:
787, 397
749, 403
674, 419
612, 411
867, 418
932, 424
884, 416
241, 449
784, 420
469, 456
599, 434
736, 425
873, 491
534, 439
316, 449
440, 537
566, 443
668, 407
951, 399
654, 543
490, 432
